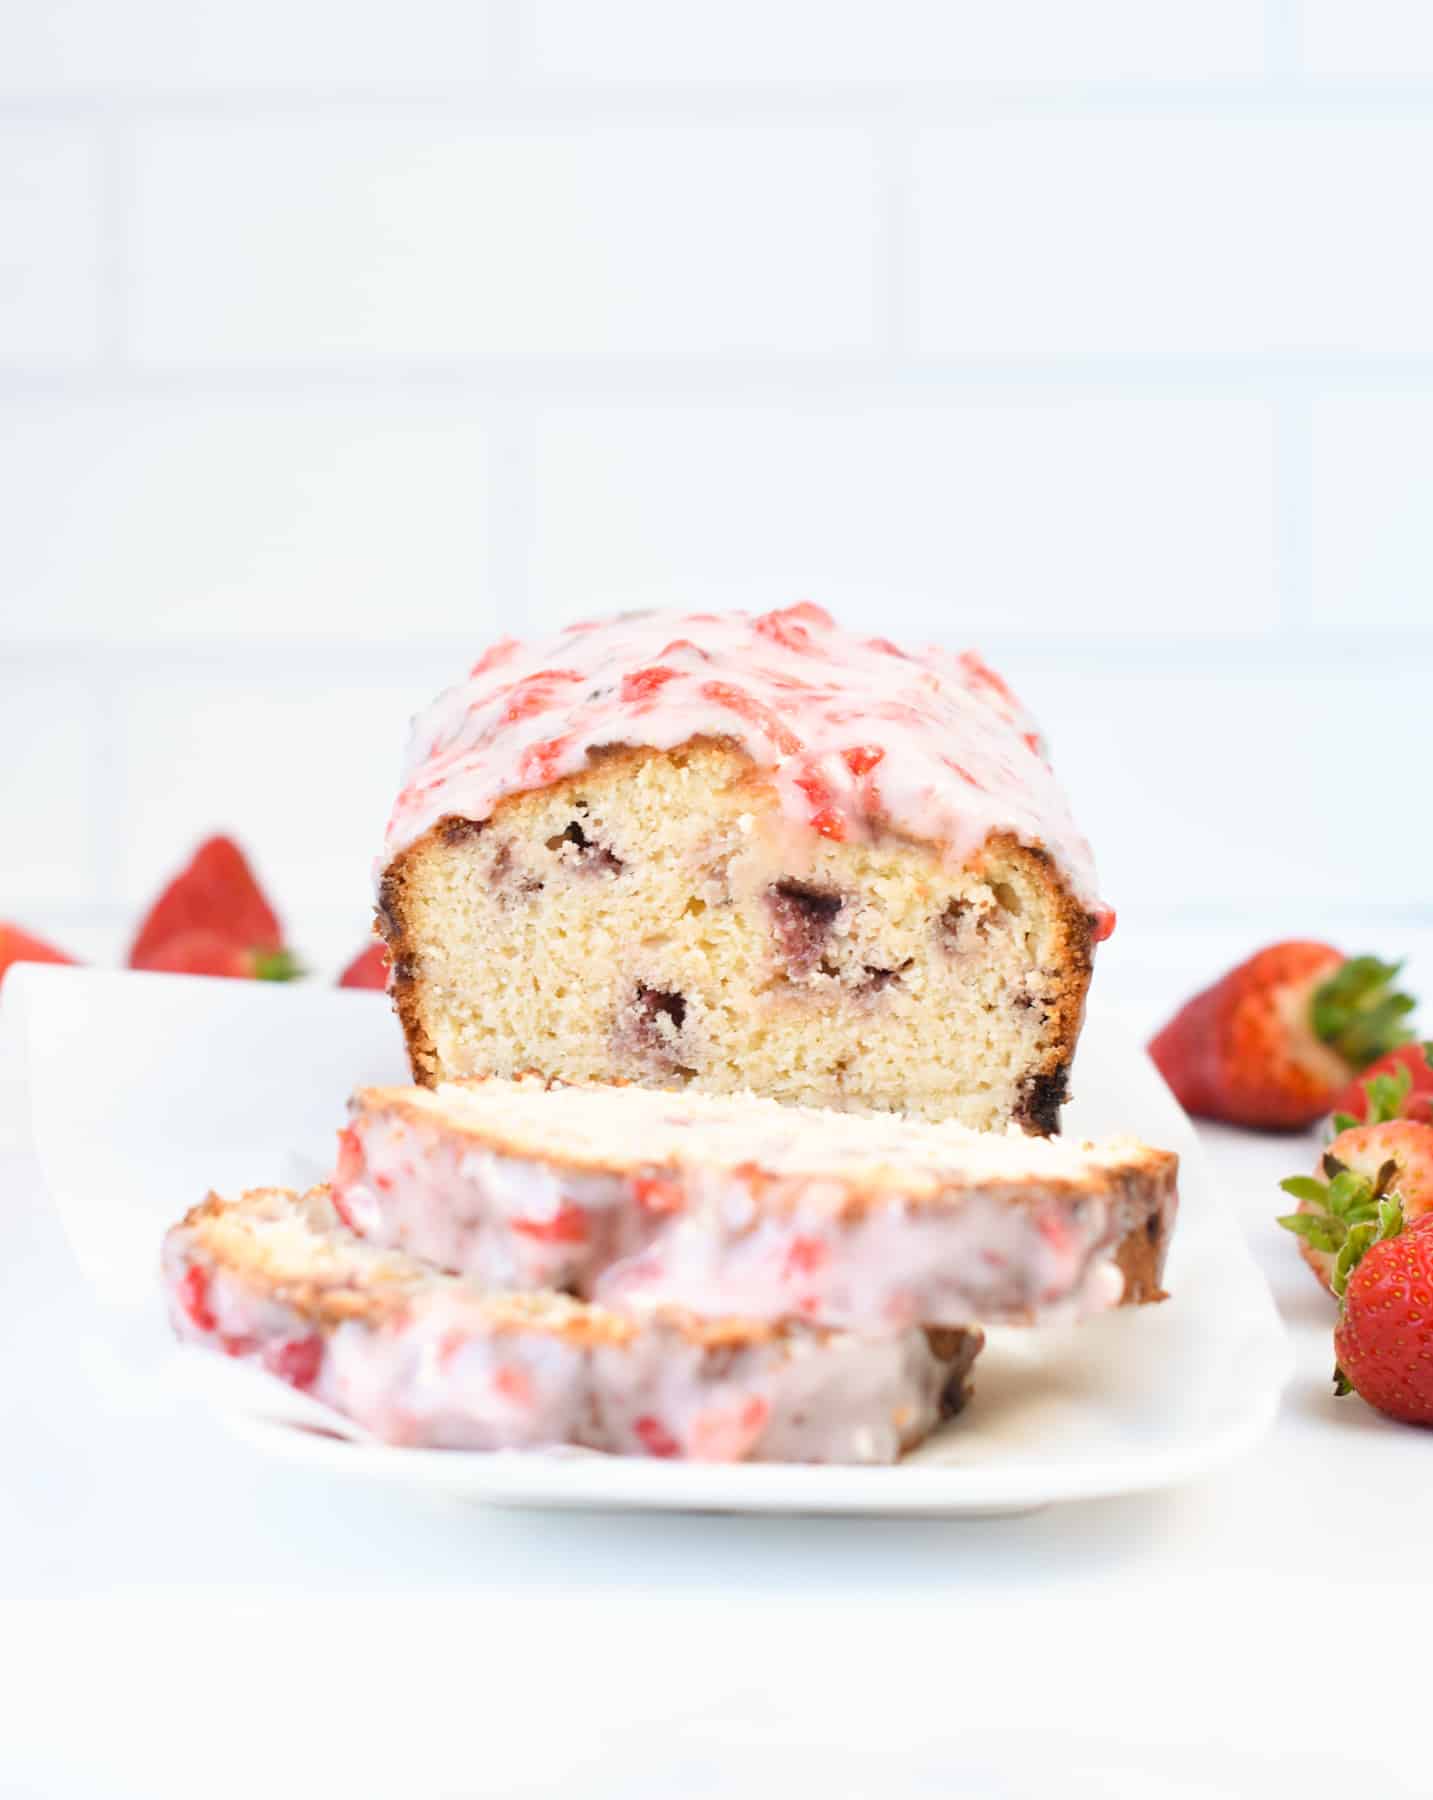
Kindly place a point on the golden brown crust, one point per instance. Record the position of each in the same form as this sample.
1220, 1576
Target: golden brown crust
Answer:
1047, 1085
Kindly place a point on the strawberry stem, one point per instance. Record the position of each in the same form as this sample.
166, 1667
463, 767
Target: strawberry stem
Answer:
1358, 1012
276, 965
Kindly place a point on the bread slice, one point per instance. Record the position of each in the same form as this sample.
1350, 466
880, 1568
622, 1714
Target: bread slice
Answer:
730, 853
735, 1204
423, 1358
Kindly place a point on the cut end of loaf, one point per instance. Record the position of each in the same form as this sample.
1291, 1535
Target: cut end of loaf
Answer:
656, 919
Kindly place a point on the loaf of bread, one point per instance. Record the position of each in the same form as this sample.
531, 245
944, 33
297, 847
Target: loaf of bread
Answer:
734, 852
422, 1358
730, 1204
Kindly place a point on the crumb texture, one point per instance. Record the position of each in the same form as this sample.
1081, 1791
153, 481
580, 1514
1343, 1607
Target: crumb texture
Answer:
658, 918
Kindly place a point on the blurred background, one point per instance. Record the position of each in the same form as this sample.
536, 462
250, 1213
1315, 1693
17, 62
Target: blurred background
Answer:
336, 338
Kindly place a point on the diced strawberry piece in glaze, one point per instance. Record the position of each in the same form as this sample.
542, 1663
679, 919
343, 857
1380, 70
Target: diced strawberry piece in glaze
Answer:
981, 675
804, 1256
539, 762
657, 1193
350, 1158
792, 626
513, 1383
194, 1298
1055, 1231
568, 1225
654, 1437
738, 701
237, 1345
534, 694
860, 759
727, 1433
340, 1206
497, 653
297, 1362
826, 817
642, 684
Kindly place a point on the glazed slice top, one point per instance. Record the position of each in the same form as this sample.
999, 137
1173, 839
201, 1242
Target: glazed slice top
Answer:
595, 1127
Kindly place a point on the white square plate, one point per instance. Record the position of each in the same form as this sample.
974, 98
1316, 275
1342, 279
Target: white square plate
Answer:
147, 1090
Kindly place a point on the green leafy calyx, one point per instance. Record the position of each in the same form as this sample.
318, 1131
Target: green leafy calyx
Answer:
276, 965
1359, 1013
1352, 1212
1385, 1095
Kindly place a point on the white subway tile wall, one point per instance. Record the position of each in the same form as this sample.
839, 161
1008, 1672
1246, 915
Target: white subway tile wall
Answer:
334, 343
51, 243
1032, 512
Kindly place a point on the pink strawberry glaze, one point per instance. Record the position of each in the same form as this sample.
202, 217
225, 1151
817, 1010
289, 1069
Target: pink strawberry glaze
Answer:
856, 734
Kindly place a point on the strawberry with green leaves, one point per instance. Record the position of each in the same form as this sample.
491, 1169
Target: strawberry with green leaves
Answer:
1397, 1086
1383, 1340
1271, 1043
211, 953
1360, 1169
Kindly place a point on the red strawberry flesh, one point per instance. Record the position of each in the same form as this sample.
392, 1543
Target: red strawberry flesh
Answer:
1384, 1337
217, 892
1398, 1086
369, 969
17, 946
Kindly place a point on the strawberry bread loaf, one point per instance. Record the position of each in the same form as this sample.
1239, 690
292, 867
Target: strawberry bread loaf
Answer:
731, 1204
734, 852
426, 1359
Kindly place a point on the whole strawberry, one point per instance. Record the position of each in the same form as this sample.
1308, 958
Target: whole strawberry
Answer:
369, 969
218, 897
1384, 1336
210, 953
1360, 1168
1397, 1086
17, 946
1272, 1042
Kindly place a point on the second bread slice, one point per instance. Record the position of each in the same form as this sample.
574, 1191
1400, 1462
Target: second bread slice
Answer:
739, 1205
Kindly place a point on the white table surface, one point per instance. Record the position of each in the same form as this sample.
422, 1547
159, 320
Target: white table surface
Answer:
180, 1616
